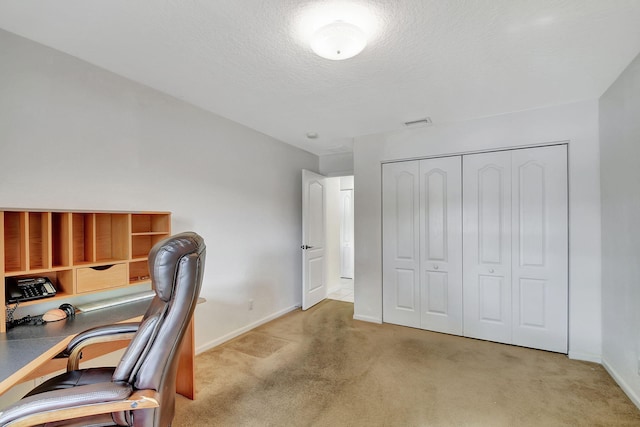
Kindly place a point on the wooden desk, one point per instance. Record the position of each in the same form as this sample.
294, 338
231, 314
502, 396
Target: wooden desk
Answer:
28, 352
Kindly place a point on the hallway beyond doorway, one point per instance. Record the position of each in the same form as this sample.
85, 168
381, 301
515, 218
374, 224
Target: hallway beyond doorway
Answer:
344, 293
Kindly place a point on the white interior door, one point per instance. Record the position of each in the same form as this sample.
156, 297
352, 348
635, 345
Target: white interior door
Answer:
314, 286
540, 248
400, 243
441, 244
487, 246
346, 234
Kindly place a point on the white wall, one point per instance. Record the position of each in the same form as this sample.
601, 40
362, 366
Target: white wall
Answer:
339, 164
346, 182
576, 123
74, 136
620, 183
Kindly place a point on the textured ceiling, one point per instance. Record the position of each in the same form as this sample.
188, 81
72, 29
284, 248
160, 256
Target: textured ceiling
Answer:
249, 60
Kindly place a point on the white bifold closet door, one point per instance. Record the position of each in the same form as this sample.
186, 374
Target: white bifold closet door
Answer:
487, 246
515, 231
401, 243
422, 241
441, 245
477, 245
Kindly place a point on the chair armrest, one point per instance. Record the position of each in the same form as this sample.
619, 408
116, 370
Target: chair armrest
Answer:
100, 334
107, 330
81, 401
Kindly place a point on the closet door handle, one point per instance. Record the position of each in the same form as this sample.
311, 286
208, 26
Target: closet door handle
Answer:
491, 270
435, 267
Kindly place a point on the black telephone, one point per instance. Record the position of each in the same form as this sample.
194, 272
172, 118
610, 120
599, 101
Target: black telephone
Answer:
27, 288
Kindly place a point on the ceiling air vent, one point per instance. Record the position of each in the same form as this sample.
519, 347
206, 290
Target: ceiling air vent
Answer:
418, 123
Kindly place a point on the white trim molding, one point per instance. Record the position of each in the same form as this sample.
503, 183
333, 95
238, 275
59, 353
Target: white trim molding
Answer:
622, 383
586, 357
369, 319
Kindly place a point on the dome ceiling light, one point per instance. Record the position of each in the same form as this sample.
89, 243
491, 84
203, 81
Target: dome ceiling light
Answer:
338, 40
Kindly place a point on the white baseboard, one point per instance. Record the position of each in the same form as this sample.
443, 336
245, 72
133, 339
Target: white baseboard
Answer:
587, 357
622, 383
369, 319
240, 331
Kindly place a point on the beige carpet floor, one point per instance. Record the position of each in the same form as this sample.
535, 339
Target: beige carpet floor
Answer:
322, 368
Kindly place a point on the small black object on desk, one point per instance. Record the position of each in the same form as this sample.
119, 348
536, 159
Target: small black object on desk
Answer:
63, 312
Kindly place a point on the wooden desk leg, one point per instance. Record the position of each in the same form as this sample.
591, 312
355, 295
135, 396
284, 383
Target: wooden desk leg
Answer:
186, 377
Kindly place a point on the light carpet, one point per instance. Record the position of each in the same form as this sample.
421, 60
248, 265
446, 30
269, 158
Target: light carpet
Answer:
322, 368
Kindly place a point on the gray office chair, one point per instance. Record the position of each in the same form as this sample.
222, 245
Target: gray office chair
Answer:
140, 391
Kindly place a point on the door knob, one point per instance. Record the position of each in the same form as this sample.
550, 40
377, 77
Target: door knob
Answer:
491, 270
435, 267
306, 247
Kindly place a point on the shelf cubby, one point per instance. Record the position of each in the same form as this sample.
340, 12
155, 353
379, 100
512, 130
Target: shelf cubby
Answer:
15, 246
138, 272
150, 223
111, 236
147, 230
62, 280
84, 248
39, 243
142, 244
60, 239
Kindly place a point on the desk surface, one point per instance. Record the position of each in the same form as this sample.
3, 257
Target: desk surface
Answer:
23, 347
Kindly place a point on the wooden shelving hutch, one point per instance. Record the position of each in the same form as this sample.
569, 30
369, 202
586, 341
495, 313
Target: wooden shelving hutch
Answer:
80, 252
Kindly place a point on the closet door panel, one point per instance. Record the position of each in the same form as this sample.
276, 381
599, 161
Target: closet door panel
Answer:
540, 248
400, 242
487, 246
491, 305
441, 244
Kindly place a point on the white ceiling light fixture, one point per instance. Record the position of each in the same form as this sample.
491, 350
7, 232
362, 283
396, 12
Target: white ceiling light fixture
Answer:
338, 40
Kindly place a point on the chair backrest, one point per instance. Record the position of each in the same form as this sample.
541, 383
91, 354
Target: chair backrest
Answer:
176, 266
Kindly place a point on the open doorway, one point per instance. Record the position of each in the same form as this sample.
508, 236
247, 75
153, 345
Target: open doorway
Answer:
339, 238
327, 238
